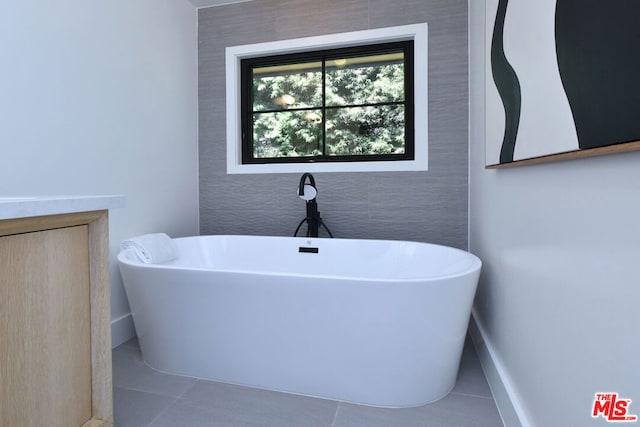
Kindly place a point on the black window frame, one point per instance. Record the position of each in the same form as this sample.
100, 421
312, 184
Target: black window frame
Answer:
246, 104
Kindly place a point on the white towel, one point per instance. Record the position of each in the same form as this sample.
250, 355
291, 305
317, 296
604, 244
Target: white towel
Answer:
152, 248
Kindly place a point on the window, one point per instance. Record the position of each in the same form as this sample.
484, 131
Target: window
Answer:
342, 102
346, 104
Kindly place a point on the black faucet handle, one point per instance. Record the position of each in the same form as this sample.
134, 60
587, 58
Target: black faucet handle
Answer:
311, 186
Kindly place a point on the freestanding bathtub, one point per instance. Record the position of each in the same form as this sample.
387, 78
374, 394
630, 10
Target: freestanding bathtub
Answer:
372, 322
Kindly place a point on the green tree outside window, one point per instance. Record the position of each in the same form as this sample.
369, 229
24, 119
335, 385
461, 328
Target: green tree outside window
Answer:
346, 104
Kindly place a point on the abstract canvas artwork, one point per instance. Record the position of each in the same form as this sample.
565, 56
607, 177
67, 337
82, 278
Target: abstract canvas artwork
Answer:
562, 77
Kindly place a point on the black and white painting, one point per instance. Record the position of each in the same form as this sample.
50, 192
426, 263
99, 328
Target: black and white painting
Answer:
562, 76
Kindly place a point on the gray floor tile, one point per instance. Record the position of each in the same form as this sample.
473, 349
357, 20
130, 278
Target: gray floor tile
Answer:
137, 408
468, 351
142, 395
471, 379
251, 406
454, 410
183, 414
130, 372
132, 343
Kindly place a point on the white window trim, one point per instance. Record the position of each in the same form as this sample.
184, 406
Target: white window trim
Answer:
234, 54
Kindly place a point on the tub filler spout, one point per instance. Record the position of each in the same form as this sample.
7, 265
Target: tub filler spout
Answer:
309, 192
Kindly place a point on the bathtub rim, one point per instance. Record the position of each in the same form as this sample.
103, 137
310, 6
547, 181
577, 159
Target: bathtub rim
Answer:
474, 267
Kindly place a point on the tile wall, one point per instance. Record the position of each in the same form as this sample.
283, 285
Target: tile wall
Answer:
429, 206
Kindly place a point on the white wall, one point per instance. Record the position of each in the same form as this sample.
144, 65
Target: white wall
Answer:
560, 291
101, 98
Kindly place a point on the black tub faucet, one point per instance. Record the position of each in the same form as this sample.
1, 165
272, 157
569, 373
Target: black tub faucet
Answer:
312, 182
309, 192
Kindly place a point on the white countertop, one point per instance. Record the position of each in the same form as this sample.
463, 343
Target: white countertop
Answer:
22, 207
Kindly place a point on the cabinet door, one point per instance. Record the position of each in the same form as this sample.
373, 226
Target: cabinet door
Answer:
45, 342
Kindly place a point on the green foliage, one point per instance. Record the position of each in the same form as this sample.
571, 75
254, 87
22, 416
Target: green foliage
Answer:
305, 87
281, 129
365, 130
365, 85
286, 134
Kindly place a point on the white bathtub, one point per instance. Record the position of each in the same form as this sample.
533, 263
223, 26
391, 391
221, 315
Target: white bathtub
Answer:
372, 322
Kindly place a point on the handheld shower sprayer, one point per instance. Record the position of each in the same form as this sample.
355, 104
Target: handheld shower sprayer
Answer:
309, 192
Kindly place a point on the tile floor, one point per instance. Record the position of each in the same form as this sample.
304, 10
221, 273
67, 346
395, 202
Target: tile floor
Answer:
146, 398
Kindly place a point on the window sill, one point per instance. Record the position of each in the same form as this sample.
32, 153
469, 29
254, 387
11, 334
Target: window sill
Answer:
382, 166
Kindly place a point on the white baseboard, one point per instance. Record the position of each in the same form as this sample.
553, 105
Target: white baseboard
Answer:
122, 330
506, 399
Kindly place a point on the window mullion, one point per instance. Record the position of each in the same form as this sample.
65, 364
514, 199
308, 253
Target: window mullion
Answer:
323, 108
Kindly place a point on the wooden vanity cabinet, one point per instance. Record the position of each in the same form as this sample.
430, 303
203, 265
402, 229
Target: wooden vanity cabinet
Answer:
55, 339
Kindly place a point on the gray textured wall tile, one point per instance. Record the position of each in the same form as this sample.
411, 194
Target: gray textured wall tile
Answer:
424, 206
387, 13
236, 24
302, 18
